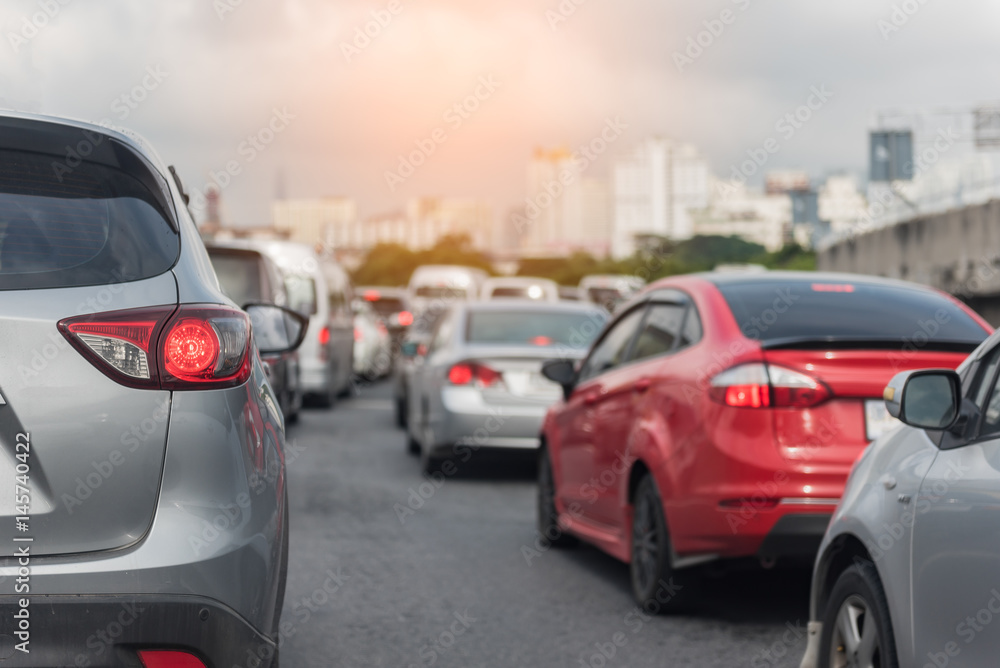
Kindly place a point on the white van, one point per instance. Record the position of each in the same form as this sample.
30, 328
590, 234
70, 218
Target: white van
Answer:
440, 285
319, 289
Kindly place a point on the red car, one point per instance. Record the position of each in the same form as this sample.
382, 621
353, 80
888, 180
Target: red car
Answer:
719, 414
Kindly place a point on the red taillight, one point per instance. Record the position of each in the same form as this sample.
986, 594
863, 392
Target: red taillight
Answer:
372, 295
166, 347
169, 659
766, 386
471, 373
405, 318
324, 336
358, 334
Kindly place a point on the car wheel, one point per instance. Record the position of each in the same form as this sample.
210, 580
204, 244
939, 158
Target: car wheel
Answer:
548, 518
857, 628
656, 586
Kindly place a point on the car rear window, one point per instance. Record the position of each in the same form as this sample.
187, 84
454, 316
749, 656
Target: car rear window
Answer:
538, 328
440, 292
90, 224
513, 293
239, 276
387, 305
797, 312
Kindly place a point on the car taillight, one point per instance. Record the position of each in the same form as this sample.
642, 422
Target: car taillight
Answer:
169, 659
405, 318
324, 336
478, 375
166, 347
760, 385
358, 334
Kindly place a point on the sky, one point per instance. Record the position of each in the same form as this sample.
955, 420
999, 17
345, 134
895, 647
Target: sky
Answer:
321, 98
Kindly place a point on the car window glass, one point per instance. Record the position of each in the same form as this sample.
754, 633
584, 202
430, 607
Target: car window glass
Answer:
692, 328
613, 348
660, 331
986, 384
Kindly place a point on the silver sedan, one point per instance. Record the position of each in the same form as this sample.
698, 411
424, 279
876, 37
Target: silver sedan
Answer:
908, 573
479, 383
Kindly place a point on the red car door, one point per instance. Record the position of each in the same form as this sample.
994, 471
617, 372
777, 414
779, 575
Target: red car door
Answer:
578, 421
626, 392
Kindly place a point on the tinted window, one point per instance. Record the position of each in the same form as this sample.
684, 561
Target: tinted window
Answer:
440, 292
513, 293
774, 310
609, 298
90, 225
538, 328
692, 332
985, 384
239, 277
388, 305
660, 331
613, 347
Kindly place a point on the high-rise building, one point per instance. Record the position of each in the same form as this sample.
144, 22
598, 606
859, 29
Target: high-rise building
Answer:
312, 221
751, 215
656, 186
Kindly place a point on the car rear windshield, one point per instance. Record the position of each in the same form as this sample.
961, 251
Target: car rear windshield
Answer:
440, 292
534, 328
513, 293
67, 225
387, 305
798, 312
239, 276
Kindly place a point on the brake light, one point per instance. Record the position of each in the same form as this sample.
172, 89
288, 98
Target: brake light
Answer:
760, 385
358, 334
169, 659
471, 373
165, 347
372, 295
324, 336
405, 318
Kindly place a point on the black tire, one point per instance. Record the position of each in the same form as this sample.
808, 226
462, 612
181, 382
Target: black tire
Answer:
548, 518
858, 601
656, 586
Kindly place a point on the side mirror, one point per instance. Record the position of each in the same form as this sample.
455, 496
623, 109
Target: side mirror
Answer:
924, 398
562, 372
276, 329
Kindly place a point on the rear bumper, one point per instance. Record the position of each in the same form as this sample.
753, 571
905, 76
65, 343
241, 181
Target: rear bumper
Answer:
795, 536
466, 418
105, 631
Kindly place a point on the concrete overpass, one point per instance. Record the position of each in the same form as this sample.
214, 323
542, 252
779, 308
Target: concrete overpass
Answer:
957, 251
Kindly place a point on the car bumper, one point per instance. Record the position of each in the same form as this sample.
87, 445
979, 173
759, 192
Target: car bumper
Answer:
795, 536
314, 377
105, 631
468, 418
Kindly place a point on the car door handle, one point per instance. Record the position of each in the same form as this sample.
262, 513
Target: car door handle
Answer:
642, 385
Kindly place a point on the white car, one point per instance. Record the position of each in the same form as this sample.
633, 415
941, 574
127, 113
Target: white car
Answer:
520, 287
438, 286
372, 343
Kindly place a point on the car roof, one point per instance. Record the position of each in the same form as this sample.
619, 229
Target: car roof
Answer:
777, 277
530, 305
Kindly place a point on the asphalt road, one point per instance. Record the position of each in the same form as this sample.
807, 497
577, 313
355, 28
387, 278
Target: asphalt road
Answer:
458, 582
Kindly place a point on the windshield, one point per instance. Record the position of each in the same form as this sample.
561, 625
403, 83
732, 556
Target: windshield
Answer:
533, 328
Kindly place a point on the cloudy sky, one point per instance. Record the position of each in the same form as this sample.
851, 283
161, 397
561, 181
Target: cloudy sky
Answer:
557, 71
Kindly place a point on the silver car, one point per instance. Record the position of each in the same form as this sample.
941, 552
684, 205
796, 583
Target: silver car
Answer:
142, 482
480, 385
908, 573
